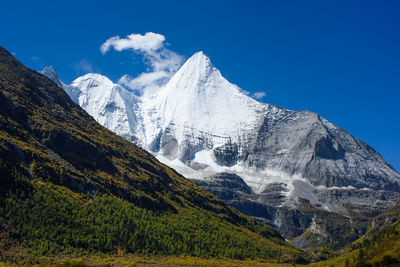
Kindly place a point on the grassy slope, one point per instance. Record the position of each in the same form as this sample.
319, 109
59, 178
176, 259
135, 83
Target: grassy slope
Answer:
380, 246
68, 185
135, 260
332, 231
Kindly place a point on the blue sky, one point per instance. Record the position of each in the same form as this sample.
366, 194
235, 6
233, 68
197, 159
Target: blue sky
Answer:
340, 59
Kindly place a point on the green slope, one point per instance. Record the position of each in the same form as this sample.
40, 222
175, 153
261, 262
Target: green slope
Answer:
380, 246
68, 185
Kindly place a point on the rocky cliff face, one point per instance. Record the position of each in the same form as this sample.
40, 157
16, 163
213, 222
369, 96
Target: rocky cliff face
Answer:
263, 159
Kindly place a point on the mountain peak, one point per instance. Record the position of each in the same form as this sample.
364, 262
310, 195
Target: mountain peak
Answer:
94, 81
198, 97
90, 77
51, 73
50, 69
198, 66
200, 57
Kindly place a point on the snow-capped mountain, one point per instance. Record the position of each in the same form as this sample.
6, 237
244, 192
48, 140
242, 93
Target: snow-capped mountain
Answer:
198, 110
110, 104
202, 125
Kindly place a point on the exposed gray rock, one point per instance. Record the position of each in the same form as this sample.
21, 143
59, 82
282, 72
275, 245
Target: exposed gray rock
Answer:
226, 186
308, 224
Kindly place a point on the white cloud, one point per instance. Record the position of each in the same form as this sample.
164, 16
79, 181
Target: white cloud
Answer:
13, 53
145, 43
84, 66
259, 95
145, 81
162, 62
36, 59
244, 91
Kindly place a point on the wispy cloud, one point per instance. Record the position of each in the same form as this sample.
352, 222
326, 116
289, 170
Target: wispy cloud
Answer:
144, 43
162, 62
36, 59
83, 66
259, 95
13, 53
244, 91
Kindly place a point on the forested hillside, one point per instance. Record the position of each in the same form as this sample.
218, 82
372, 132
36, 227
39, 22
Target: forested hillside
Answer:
380, 246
